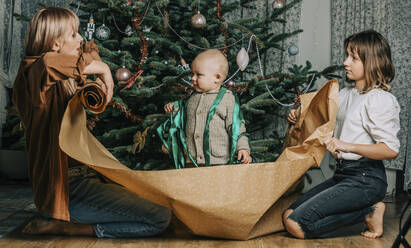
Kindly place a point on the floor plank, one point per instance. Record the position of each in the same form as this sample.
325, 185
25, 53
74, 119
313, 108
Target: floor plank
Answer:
347, 237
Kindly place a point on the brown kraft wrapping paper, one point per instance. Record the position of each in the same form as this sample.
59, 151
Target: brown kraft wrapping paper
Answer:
232, 201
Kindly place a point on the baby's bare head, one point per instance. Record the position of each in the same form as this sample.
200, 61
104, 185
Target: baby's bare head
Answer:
214, 59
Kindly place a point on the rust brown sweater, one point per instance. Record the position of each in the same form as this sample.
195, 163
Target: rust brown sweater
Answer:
42, 89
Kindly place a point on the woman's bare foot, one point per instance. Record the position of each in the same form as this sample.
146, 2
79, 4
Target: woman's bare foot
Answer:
41, 225
375, 221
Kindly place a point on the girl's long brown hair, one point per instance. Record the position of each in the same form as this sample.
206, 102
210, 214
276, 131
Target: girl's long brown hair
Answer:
375, 53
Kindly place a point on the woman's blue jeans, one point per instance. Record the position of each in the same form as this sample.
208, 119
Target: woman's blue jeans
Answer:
113, 211
342, 200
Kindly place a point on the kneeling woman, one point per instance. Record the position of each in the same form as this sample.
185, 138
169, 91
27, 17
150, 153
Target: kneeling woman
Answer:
365, 134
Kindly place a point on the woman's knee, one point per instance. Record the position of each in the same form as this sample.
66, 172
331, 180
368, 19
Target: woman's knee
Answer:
163, 219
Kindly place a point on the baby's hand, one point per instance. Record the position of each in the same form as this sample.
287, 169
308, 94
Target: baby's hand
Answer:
244, 156
168, 108
292, 116
164, 149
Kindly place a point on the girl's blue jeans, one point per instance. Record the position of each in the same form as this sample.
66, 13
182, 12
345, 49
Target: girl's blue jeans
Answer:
113, 211
342, 200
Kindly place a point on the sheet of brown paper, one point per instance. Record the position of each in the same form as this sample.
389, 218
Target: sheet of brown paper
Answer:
232, 201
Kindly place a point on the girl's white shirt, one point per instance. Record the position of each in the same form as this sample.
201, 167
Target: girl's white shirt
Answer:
368, 118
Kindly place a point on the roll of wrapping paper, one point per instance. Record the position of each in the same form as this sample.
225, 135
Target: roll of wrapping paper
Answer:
93, 98
232, 201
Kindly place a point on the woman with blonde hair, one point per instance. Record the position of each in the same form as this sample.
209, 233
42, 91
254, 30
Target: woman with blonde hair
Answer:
72, 199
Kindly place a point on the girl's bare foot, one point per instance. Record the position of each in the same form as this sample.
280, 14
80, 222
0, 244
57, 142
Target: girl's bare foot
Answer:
375, 221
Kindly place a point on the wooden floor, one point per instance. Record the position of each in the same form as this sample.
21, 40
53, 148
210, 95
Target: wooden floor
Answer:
349, 237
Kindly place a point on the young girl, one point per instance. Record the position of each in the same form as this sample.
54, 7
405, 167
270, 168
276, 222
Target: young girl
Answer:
365, 133
73, 199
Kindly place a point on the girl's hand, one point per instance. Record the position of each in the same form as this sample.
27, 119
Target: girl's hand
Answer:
244, 156
335, 146
168, 108
292, 116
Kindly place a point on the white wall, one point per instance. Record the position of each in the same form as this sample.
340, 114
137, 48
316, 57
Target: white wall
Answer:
315, 42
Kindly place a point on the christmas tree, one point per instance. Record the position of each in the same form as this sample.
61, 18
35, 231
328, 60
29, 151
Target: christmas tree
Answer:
147, 45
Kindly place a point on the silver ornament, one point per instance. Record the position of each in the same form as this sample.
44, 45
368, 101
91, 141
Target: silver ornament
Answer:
242, 59
293, 50
230, 83
147, 29
103, 32
128, 30
123, 74
198, 20
278, 4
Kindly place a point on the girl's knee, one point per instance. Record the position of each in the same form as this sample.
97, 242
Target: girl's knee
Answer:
293, 228
287, 213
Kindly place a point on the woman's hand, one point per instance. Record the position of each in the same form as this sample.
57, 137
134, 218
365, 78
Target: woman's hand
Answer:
244, 156
103, 71
335, 146
292, 116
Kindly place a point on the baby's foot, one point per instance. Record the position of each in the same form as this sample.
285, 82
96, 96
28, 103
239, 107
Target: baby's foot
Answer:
375, 221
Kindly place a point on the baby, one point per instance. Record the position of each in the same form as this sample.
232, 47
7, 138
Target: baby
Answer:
214, 129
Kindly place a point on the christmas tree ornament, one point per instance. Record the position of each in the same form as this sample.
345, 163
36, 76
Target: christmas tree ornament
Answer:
165, 19
123, 74
230, 83
293, 50
147, 29
91, 28
184, 66
139, 140
103, 32
242, 59
136, 21
278, 4
198, 20
128, 30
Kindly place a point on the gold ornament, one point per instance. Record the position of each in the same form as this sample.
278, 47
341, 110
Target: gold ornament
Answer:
198, 20
123, 74
139, 140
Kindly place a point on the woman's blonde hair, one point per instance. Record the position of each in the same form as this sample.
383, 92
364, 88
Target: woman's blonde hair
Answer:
375, 53
46, 26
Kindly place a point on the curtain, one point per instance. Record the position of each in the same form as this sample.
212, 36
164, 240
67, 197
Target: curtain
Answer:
12, 34
391, 18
